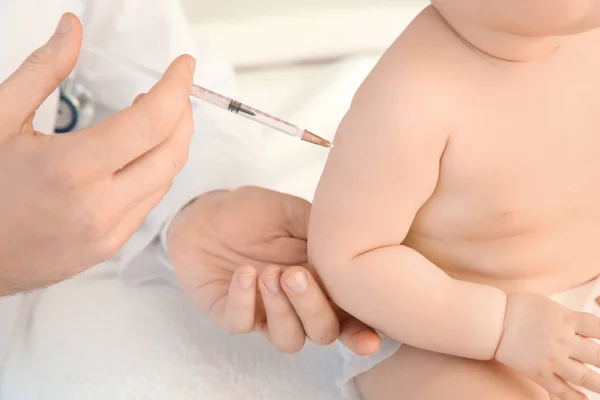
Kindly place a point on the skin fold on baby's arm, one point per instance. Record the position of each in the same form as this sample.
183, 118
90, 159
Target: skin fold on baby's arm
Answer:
383, 168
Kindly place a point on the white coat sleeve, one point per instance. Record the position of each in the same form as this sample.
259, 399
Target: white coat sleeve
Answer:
154, 32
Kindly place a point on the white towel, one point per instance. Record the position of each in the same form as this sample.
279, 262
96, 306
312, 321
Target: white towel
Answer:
94, 338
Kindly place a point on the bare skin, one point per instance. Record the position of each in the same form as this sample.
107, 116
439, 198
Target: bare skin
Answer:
421, 375
473, 183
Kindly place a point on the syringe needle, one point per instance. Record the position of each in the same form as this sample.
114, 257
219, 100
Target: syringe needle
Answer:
314, 139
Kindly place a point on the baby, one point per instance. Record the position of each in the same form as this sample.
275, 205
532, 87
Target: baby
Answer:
459, 212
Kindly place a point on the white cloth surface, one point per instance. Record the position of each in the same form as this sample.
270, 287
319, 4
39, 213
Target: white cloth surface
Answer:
94, 338
99, 337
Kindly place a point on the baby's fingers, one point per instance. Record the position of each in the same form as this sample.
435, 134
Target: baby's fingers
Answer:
578, 374
561, 390
586, 351
587, 325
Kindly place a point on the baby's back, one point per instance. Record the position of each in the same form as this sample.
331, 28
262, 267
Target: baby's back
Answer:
517, 199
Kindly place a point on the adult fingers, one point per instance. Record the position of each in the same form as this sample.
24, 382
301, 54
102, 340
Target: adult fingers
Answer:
283, 327
143, 126
316, 313
293, 210
357, 336
297, 212
237, 312
41, 73
158, 167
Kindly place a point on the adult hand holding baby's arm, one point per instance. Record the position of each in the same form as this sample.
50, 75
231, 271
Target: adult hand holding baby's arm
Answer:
550, 344
241, 257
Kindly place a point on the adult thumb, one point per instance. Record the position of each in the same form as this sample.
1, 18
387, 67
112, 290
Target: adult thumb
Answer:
41, 73
297, 213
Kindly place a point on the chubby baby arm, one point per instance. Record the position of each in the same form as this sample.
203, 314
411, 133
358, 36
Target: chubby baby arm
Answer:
383, 168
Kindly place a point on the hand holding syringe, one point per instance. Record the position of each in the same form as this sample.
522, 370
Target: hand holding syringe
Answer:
219, 100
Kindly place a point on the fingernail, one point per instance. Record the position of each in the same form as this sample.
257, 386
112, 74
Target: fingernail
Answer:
64, 25
246, 280
192, 61
297, 282
272, 283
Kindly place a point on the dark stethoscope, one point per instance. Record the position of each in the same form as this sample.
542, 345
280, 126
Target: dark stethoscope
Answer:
75, 109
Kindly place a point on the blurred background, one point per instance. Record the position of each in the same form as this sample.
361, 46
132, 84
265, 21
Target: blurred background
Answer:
242, 8
290, 30
300, 60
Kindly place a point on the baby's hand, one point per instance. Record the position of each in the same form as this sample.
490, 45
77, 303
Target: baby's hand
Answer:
551, 345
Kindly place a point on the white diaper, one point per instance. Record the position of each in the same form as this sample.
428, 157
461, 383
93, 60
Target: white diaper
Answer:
580, 298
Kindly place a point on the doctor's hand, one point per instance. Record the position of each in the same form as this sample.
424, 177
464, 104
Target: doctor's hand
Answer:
71, 201
241, 257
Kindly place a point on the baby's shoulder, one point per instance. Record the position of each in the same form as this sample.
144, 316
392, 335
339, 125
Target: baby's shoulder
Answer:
421, 69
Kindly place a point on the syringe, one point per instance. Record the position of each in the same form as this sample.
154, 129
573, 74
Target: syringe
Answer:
218, 100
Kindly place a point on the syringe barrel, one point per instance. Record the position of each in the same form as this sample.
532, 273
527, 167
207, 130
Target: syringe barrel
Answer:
245, 111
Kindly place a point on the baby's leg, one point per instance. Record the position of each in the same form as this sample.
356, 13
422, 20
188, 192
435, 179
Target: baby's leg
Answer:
420, 375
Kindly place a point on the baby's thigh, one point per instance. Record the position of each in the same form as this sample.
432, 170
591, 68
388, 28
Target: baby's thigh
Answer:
420, 375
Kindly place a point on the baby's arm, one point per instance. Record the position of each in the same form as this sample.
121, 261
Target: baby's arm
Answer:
383, 168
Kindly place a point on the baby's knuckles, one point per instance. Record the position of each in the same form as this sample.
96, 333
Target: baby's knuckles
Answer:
539, 336
543, 363
553, 353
